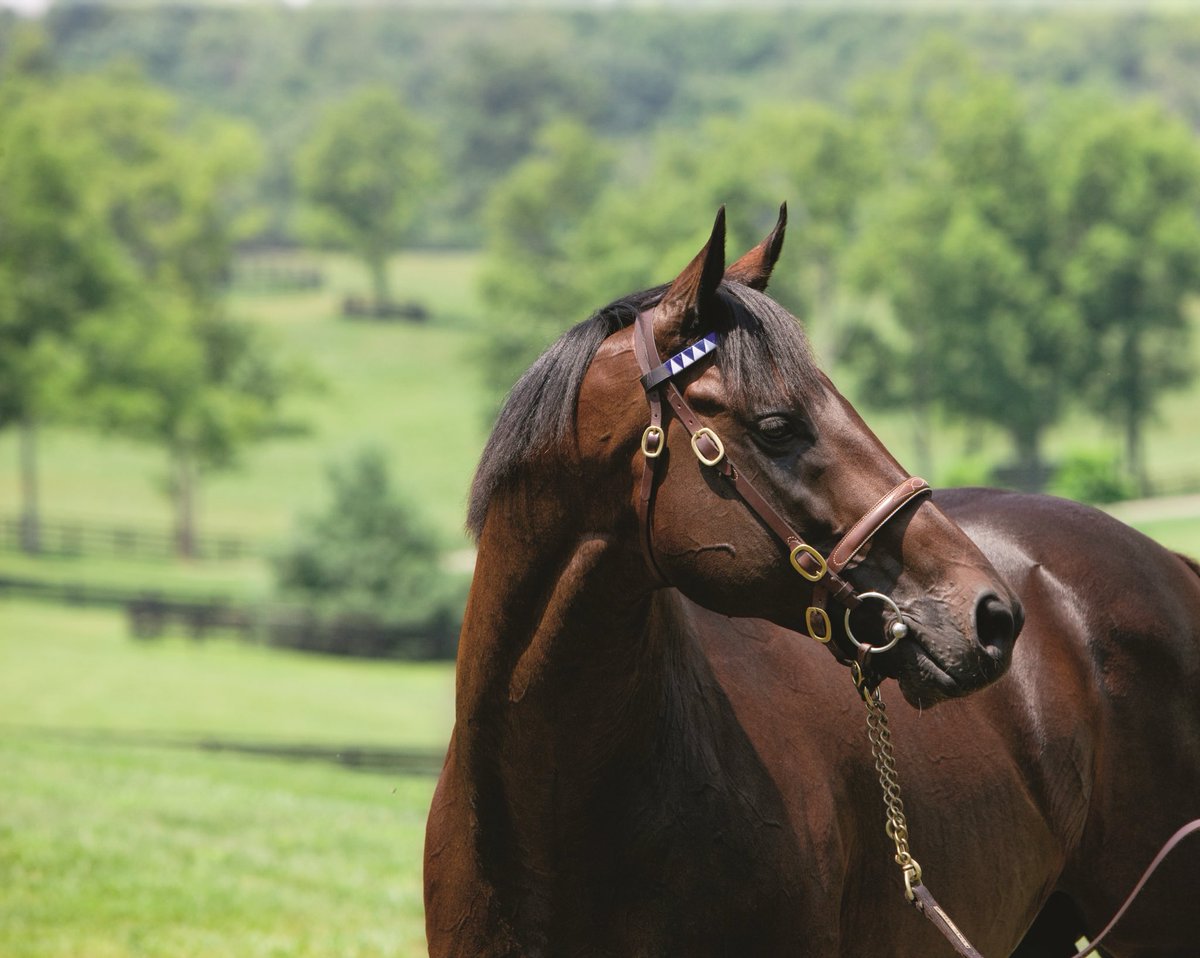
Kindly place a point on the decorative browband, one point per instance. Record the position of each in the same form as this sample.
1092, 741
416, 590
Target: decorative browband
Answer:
679, 362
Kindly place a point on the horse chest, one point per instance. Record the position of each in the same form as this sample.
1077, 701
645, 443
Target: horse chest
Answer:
685, 851
672, 881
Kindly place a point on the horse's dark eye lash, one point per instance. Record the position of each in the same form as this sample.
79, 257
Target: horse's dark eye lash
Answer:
779, 429
774, 427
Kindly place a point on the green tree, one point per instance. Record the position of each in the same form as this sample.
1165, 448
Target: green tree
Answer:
174, 370
59, 269
498, 95
974, 331
569, 230
959, 247
1128, 205
201, 387
365, 170
822, 164
531, 279
366, 554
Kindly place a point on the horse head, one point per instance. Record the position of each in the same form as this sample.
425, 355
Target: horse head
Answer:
755, 489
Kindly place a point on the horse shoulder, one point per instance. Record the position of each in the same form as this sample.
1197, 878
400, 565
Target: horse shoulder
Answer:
1110, 606
1119, 588
793, 720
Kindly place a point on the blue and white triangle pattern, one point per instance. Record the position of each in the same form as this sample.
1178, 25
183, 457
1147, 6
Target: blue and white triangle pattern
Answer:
681, 360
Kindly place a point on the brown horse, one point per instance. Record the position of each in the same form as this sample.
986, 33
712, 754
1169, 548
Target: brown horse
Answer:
651, 757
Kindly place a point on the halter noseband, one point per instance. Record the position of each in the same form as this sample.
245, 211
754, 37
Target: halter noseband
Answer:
822, 572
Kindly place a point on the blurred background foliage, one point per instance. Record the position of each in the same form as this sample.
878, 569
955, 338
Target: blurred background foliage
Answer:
267, 271
994, 213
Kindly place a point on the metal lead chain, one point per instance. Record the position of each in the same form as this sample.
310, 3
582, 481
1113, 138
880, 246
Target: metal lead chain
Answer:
880, 737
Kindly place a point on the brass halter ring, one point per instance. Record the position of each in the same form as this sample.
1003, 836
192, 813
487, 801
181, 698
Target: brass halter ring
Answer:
899, 628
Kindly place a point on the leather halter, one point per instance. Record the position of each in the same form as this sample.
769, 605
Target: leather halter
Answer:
824, 573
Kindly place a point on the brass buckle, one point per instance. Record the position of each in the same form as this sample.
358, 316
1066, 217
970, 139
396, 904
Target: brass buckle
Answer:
805, 549
823, 617
716, 440
653, 433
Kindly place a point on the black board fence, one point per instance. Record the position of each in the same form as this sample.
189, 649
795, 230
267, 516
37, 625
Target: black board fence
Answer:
126, 541
1177, 484
152, 614
267, 277
359, 307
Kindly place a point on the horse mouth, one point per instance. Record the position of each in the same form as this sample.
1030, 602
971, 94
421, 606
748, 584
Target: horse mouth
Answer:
924, 681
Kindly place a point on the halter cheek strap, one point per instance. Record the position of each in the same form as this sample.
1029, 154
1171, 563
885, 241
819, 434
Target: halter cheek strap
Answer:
654, 442
822, 572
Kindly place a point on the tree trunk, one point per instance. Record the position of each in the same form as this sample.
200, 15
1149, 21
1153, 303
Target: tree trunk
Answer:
1135, 404
31, 535
183, 491
1135, 452
1031, 473
922, 442
377, 265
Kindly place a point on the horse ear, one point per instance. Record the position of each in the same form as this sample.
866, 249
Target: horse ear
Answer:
691, 303
754, 269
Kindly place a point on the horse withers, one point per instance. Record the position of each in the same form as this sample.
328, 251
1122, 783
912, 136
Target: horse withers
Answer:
651, 756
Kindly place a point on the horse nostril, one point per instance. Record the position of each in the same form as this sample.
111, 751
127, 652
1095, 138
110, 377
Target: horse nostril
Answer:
997, 623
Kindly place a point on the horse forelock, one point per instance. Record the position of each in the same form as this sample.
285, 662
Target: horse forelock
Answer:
764, 359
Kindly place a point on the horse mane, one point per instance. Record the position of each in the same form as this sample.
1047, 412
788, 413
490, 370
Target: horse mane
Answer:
540, 410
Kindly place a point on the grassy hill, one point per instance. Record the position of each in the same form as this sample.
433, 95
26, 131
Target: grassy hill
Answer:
409, 389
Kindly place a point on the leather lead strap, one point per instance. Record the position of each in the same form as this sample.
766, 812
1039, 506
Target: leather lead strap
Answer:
927, 906
1188, 829
925, 903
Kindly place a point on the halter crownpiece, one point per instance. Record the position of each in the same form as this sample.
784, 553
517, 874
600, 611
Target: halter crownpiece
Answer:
822, 572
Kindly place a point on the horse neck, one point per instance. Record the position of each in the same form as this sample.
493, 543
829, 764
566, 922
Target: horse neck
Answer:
564, 654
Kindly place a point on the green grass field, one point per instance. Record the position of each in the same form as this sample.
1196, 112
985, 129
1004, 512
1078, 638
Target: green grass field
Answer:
1177, 528
1182, 535
119, 836
121, 851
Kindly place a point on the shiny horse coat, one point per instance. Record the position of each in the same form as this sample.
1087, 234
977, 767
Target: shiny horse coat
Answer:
650, 769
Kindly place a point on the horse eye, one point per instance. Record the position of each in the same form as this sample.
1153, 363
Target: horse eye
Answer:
776, 429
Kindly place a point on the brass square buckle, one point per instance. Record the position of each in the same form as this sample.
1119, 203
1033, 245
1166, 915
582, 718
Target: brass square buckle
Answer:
805, 549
